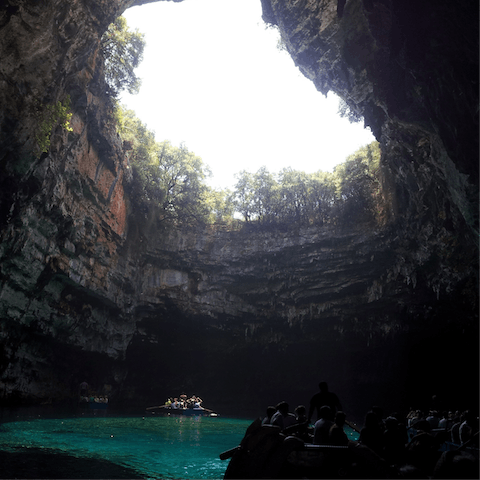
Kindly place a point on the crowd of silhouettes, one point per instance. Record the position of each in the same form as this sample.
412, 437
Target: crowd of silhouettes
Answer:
418, 445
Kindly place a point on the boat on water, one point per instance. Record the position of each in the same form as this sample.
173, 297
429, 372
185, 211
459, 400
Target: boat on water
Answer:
166, 410
183, 406
265, 452
93, 403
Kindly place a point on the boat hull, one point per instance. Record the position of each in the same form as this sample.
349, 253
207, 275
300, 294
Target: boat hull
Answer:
265, 452
187, 412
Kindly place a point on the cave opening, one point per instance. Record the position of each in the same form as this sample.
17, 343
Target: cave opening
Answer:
216, 77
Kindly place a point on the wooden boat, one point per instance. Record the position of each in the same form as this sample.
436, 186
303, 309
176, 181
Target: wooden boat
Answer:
196, 411
266, 453
188, 411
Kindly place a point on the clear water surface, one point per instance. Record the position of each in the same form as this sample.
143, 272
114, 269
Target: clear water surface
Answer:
156, 447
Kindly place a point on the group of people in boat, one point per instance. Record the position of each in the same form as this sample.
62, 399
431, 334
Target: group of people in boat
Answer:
416, 438
94, 398
184, 402
460, 426
327, 430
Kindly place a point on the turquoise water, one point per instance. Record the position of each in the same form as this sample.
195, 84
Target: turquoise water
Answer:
154, 446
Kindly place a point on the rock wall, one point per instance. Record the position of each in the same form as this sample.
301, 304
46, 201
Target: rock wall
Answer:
62, 213
386, 314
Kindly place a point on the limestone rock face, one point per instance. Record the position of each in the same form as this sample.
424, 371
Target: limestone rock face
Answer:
90, 291
62, 213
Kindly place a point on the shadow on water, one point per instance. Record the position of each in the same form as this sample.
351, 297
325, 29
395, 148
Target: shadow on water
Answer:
45, 442
49, 463
38, 463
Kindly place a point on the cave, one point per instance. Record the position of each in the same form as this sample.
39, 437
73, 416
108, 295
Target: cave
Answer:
386, 314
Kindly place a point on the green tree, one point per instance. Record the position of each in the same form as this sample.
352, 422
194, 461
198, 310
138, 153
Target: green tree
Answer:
243, 196
166, 179
345, 110
265, 196
358, 188
352, 193
123, 51
220, 206
180, 178
294, 195
141, 149
140, 140
321, 196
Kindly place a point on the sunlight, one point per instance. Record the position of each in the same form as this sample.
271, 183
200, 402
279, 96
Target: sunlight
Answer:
213, 78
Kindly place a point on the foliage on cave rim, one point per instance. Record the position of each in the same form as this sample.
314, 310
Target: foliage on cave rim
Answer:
122, 50
170, 181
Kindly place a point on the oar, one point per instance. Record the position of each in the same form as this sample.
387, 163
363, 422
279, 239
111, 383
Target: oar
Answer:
153, 408
208, 410
229, 453
211, 412
352, 426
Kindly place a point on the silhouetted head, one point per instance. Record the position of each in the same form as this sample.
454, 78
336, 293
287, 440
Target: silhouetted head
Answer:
371, 420
378, 411
326, 413
323, 386
270, 411
282, 407
391, 423
340, 418
301, 411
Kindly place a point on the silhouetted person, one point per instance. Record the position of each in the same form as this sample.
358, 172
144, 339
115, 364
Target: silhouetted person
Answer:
433, 419
282, 418
337, 434
422, 451
371, 435
323, 397
469, 427
321, 431
378, 411
393, 441
301, 428
455, 431
456, 464
443, 422
301, 414
270, 412
421, 424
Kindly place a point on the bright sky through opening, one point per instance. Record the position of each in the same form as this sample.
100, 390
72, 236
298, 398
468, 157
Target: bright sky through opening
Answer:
213, 78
